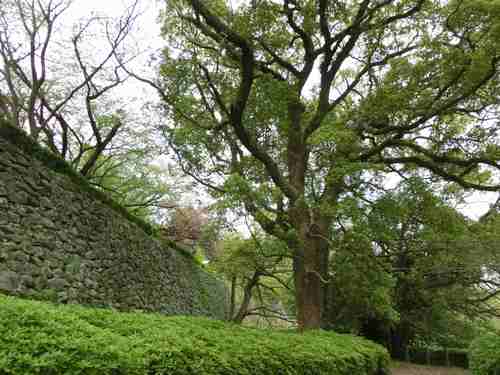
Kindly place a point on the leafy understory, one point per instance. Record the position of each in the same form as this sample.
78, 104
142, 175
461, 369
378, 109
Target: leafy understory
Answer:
37, 337
485, 354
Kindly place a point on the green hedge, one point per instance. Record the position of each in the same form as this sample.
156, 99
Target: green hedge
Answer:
484, 355
42, 338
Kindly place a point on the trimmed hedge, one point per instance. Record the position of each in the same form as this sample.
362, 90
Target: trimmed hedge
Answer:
43, 338
485, 355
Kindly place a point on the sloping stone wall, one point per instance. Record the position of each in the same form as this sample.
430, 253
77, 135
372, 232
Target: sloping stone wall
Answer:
58, 242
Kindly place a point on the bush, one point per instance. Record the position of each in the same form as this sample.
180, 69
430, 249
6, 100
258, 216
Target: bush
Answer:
485, 355
43, 338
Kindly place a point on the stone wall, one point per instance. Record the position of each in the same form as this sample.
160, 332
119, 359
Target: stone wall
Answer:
58, 242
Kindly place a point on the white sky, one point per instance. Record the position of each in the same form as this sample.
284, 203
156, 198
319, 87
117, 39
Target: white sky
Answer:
147, 33
147, 36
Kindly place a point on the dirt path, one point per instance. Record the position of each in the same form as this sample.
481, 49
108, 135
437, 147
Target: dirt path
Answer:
399, 368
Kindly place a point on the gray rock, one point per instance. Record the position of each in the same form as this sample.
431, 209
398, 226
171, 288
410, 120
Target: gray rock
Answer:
19, 197
28, 281
9, 281
62, 297
45, 202
47, 223
31, 183
19, 256
57, 283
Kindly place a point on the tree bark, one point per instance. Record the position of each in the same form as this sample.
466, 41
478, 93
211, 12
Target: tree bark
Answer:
307, 290
311, 232
233, 297
310, 277
247, 297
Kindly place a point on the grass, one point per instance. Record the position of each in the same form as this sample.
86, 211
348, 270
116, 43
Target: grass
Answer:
485, 354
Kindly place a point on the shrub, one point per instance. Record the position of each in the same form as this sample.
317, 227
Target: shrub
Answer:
485, 355
43, 338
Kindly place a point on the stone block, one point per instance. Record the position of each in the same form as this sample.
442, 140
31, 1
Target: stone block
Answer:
57, 283
9, 281
28, 281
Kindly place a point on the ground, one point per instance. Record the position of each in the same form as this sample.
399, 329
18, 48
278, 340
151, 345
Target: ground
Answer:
399, 368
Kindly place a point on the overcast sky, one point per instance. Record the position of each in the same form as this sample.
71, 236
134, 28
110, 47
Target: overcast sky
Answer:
147, 23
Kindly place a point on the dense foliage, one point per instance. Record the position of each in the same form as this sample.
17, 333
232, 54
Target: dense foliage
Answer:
485, 355
409, 269
39, 337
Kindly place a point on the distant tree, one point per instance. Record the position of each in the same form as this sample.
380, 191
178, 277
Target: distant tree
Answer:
421, 259
258, 273
290, 107
133, 180
186, 223
197, 230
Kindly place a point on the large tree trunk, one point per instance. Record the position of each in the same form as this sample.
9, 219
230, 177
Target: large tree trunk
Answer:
310, 243
308, 289
310, 275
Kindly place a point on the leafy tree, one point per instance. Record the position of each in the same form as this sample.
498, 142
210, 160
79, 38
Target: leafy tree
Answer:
257, 268
134, 182
289, 107
197, 229
361, 289
420, 257
187, 223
